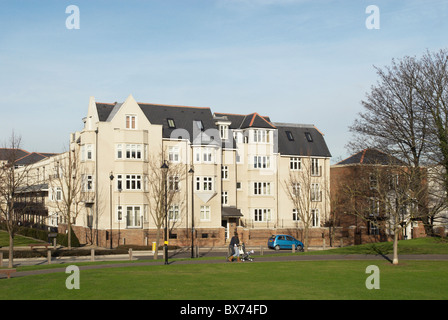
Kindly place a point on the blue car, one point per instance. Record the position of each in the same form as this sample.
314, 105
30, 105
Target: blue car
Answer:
283, 241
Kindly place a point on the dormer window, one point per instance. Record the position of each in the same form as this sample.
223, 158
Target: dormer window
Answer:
199, 124
224, 131
308, 137
289, 135
171, 123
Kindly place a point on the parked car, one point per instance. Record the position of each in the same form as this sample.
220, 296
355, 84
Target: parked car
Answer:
283, 241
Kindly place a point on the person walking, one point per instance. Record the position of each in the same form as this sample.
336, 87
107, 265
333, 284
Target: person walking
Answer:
234, 243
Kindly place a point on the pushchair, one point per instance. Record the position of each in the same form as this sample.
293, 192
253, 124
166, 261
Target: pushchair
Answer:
245, 255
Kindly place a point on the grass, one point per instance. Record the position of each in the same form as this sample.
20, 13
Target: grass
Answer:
304, 280
299, 280
19, 241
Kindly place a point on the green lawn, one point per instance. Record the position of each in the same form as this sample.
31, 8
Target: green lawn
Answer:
18, 240
258, 281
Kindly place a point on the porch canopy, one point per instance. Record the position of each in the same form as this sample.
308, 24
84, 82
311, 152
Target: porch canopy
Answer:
231, 212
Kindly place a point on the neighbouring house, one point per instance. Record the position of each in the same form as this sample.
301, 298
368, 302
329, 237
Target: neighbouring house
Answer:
370, 191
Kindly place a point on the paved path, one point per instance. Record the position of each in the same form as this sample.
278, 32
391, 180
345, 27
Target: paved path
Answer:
270, 258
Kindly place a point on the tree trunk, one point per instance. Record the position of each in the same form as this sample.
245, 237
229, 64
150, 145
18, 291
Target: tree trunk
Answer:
11, 251
156, 253
395, 259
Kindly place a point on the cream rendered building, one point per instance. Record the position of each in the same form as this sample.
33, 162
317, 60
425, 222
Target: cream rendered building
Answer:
232, 174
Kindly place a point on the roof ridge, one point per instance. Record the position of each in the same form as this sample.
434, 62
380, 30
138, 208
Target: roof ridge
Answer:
171, 105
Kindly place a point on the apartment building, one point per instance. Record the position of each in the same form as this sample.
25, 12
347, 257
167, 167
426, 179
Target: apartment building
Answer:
232, 173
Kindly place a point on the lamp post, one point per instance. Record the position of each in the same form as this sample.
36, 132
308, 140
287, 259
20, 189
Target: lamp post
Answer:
164, 168
111, 177
192, 211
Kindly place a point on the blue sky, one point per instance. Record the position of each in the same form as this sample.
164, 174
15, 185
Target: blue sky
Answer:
299, 61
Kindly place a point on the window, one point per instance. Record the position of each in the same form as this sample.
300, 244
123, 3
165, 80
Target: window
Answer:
119, 213
295, 163
87, 152
173, 154
133, 182
295, 215
315, 192
262, 215
173, 212
308, 137
131, 122
289, 135
130, 151
315, 219
315, 168
224, 172
224, 131
204, 155
171, 123
58, 194
199, 125
262, 188
204, 183
133, 216
173, 183
295, 186
262, 162
374, 207
224, 198
87, 182
205, 213
261, 136
238, 186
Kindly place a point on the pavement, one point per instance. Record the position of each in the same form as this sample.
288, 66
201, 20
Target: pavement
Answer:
183, 256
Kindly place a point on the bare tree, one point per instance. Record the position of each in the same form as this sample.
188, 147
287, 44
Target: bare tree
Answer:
384, 197
395, 120
305, 192
11, 182
163, 194
69, 181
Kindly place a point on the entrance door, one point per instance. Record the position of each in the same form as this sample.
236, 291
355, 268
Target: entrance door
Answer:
225, 224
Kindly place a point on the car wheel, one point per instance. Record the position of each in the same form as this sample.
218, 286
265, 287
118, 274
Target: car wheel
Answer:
299, 248
277, 247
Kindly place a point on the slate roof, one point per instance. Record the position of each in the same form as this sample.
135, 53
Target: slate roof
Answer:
185, 121
371, 156
23, 157
242, 121
301, 140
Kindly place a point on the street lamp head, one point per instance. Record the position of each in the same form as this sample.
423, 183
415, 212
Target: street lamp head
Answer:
111, 177
191, 170
164, 166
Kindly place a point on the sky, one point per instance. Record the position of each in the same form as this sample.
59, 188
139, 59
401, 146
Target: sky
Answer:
297, 61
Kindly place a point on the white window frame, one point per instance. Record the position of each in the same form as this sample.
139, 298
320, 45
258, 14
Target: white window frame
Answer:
295, 163
261, 188
315, 218
262, 214
173, 212
136, 223
225, 172
173, 154
205, 213
205, 183
131, 122
224, 198
261, 162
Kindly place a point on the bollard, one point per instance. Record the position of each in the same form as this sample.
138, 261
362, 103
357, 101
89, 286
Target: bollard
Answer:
49, 256
1, 259
130, 253
261, 250
92, 254
324, 244
293, 249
